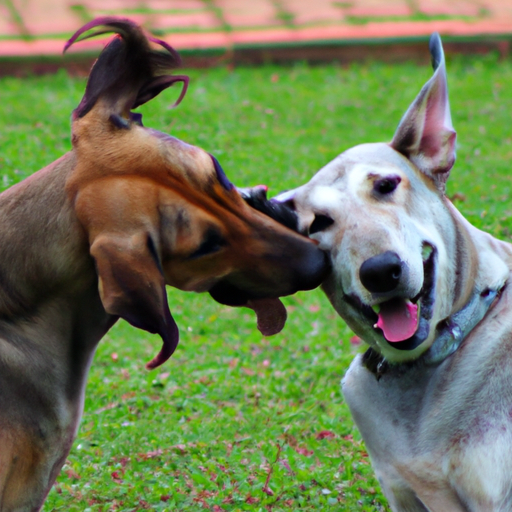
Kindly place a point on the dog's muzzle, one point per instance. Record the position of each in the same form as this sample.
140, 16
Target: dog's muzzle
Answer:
403, 322
305, 271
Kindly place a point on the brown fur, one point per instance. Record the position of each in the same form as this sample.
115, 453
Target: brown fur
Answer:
97, 235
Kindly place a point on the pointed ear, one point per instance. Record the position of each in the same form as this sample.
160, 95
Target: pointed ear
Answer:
132, 286
425, 134
128, 71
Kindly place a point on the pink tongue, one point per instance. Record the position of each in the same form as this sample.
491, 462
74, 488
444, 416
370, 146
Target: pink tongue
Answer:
271, 315
398, 319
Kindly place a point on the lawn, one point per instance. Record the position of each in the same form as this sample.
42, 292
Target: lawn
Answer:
235, 421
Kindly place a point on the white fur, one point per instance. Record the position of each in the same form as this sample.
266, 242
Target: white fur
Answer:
439, 435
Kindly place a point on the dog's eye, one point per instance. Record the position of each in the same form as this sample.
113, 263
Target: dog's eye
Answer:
320, 223
386, 185
213, 242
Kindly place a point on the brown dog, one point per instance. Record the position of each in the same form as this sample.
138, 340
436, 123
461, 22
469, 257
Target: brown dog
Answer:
97, 235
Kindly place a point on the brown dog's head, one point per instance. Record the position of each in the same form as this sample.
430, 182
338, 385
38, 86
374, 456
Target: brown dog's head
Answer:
158, 211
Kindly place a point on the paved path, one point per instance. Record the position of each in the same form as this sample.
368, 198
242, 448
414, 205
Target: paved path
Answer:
258, 30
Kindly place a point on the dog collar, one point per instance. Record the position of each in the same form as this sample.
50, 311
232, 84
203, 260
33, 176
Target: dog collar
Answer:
454, 330
450, 334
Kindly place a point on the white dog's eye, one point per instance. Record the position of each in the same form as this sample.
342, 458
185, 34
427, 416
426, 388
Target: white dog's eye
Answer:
386, 185
320, 223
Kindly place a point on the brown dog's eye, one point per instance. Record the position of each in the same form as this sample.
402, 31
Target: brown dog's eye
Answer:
320, 223
213, 242
386, 185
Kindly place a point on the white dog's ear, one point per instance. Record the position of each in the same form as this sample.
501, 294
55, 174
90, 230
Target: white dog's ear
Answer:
425, 134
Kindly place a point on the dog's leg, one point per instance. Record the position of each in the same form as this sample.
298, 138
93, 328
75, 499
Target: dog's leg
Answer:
27, 470
390, 424
400, 495
406, 493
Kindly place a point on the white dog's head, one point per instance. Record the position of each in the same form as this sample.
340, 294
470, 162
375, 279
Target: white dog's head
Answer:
394, 238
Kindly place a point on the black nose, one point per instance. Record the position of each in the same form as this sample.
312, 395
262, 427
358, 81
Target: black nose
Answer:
311, 268
381, 273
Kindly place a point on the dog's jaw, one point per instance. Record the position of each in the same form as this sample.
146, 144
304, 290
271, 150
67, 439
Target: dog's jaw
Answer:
370, 323
362, 319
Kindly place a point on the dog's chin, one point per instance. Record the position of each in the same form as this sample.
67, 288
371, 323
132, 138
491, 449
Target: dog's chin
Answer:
363, 319
228, 294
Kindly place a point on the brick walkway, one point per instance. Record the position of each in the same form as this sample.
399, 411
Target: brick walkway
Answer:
259, 30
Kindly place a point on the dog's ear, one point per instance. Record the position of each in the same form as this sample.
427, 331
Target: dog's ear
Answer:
132, 286
256, 197
425, 134
128, 71
120, 220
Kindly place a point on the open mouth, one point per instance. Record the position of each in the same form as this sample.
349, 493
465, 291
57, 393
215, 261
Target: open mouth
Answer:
404, 323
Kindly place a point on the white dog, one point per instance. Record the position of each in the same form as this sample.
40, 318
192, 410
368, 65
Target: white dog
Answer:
428, 292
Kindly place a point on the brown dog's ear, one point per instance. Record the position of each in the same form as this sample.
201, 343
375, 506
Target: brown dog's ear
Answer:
132, 286
425, 134
128, 71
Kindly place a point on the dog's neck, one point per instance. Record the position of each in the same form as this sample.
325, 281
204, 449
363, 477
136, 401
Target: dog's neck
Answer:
457, 327
51, 316
43, 250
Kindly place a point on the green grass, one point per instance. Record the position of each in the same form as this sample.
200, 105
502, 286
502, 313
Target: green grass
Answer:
234, 421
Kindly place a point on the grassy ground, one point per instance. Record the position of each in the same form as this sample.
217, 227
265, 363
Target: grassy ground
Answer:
234, 421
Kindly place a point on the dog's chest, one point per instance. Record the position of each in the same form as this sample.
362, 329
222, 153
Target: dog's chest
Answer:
446, 426
387, 409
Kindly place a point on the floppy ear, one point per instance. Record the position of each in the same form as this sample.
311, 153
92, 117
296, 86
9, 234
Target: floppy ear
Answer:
132, 286
425, 134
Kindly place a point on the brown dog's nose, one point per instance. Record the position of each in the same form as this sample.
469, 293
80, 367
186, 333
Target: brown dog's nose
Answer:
305, 269
381, 274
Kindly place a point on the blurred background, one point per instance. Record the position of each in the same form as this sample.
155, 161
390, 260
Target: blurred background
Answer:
209, 32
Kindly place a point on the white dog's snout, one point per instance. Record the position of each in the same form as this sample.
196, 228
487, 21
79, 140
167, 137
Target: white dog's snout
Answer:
381, 273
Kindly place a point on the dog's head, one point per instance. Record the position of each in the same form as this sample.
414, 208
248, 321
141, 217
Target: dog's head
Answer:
380, 211
158, 211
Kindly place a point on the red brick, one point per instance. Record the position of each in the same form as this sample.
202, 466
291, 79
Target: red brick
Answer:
153, 5
378, 9
110, 5
248, 13
192, 21
451, 8
42, 17
185, 5
498, 9
199, 41
7, 28
307, 12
